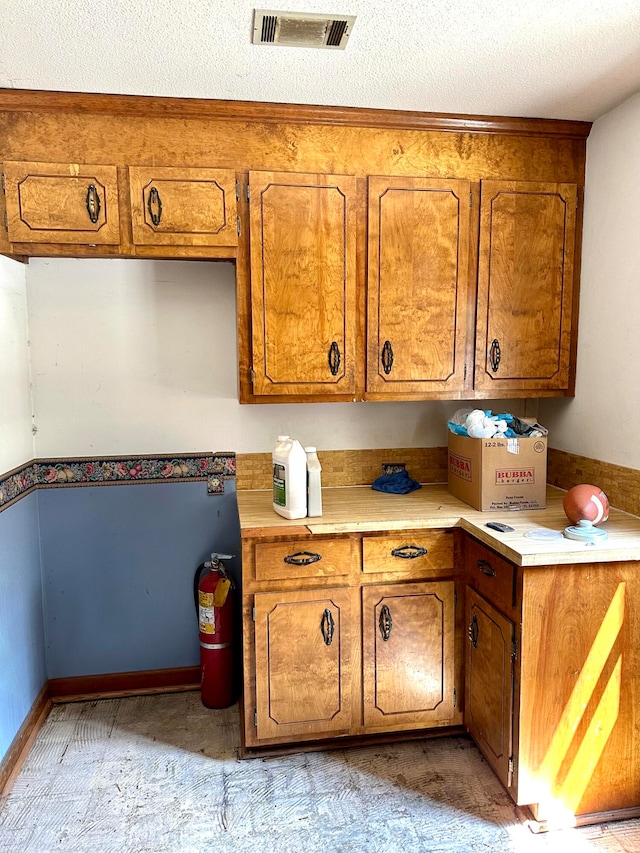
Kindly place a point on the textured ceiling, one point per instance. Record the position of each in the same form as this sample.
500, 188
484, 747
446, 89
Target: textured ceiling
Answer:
573, 59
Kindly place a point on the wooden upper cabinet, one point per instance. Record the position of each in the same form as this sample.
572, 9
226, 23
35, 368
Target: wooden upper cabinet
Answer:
189, 207
303, 283
303, 644
61, 203
525, 286
418, 232
408, 654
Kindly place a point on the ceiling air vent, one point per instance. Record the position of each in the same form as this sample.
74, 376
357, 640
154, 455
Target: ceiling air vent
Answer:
301, 29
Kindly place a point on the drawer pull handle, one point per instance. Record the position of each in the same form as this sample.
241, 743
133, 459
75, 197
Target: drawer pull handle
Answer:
495, 355
154, 206
387, 357
486, 568
327, 627
409, 552
473, 631
93, 203
385, 623
334, 358
302, 558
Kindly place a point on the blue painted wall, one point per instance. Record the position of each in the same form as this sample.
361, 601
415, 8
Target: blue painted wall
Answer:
118, 565
22, 648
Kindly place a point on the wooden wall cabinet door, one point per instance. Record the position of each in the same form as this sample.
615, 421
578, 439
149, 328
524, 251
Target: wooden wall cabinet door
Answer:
418, 239
525, 287
408, 655
187, 207
489, 683
61, 203
303, 283
303, 663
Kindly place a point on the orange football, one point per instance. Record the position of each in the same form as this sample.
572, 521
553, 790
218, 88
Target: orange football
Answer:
586, 502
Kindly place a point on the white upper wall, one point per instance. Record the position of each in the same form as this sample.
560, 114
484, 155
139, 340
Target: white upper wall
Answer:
602, 421
133, 356
16, 439
546, 58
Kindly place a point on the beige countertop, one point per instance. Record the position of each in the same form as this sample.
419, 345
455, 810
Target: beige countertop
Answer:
357, 509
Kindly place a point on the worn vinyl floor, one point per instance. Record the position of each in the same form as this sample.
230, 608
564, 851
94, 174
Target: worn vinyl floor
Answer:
160, 774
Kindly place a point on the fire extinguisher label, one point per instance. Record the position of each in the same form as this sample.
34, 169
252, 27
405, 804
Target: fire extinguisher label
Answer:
206, 613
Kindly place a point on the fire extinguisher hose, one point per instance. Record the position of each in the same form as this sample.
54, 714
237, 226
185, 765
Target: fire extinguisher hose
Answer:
196, 581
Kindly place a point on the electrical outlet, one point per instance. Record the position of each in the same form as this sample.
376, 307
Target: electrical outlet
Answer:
392, 468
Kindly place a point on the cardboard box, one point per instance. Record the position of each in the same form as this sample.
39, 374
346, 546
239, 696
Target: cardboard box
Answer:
498, 473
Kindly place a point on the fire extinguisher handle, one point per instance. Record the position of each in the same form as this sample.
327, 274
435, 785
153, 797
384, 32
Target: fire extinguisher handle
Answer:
217, 565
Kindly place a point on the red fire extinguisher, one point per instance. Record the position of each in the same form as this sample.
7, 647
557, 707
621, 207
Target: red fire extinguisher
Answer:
214, 604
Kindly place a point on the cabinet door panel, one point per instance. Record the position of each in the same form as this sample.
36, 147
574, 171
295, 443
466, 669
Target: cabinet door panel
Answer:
62, 203
525, 285
489, 682
417, 284
192, 207
303, 277
408, 654
303, 662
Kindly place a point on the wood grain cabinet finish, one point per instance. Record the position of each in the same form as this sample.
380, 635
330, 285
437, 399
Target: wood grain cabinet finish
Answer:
380, 256
552, 687
489, 683
492, 576
408, 655
319, 558
303, 283
579, 691
303, 645
417, 284
181, 206
411, 555
525, 286
61, 203
333, 651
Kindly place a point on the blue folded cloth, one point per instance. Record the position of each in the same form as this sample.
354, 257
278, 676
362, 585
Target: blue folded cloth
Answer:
399, 483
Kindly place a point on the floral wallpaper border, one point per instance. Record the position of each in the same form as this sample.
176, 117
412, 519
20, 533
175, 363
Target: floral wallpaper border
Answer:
215, 468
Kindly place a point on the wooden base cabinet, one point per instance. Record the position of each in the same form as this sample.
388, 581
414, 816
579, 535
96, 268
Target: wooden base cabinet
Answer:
552, 685
349, 636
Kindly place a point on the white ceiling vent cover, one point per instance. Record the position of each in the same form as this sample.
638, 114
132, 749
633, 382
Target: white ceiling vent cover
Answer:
301, 29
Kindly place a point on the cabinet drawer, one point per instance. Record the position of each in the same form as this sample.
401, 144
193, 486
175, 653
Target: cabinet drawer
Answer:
183, 207
412, 554
62, 203
491, 575
315, 558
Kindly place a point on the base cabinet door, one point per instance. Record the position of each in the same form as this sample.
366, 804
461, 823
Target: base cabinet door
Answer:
303, 663
489, 683
408, 654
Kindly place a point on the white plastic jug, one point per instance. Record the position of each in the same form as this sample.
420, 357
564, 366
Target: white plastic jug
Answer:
289, 478
314, 486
